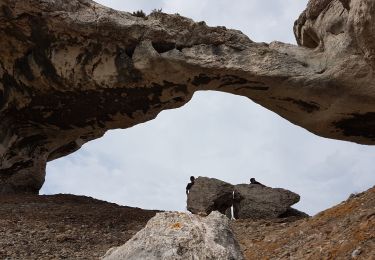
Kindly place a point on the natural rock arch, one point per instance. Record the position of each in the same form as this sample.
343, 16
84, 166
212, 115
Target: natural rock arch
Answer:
71, 70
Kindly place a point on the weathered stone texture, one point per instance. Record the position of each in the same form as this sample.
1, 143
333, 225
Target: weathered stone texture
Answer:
174, 235
71, 70
258, 202
210, 194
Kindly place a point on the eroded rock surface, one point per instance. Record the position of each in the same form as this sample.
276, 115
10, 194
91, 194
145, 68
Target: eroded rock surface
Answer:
174, 235
71, 70
259, 202
210, 194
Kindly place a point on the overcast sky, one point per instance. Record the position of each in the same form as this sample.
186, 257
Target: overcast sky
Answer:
216, 134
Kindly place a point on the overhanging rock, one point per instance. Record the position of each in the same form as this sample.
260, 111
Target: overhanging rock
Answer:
71, 70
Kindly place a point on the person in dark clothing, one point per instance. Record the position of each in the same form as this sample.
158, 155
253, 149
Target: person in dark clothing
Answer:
188, 187
253, 181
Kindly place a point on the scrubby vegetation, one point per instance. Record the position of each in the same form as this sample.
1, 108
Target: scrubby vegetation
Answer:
139, 13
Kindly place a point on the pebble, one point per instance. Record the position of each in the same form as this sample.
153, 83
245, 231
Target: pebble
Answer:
356, 252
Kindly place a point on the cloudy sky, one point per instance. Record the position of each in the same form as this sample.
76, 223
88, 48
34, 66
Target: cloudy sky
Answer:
216, 134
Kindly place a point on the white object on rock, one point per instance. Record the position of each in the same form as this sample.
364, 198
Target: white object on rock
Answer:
356, 252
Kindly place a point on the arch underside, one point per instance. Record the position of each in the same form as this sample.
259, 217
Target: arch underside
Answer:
70, 71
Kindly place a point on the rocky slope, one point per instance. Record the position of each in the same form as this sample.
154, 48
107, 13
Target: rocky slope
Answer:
72, 227
346, 231
71, 70
64, 226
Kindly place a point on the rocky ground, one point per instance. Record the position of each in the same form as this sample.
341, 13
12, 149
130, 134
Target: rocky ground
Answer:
64, 226
346, 231
75, 227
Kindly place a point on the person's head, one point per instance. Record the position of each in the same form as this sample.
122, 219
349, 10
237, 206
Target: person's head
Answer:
252, 180
192, 178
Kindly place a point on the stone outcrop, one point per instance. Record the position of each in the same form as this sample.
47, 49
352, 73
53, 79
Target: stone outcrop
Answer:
248, 200
209, 194
71, 70
259, 202
174, 235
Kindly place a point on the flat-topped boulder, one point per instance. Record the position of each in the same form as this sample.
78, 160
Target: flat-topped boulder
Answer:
260, 202
209, 194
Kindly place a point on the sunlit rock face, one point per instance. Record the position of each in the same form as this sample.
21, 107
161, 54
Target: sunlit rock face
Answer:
179, 236
71, 70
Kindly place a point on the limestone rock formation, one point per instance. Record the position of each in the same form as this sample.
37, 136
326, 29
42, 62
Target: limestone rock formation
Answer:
173, 236
258, 202
209, 194
71, 70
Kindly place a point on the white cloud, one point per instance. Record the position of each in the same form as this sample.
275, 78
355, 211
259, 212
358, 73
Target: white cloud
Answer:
260, 20
217, 135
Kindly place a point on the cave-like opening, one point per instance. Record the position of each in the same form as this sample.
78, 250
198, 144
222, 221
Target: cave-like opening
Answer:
216, 135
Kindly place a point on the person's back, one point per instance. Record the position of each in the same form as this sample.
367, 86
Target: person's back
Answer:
188, 187
253, 181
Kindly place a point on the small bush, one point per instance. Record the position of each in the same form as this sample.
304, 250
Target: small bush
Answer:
157, 10
139, 13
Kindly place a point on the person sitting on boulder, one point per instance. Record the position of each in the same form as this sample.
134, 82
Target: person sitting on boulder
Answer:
188, 187
253, 181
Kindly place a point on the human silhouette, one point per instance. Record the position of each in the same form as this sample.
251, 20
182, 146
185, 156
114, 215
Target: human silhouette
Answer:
253, 181
188, 187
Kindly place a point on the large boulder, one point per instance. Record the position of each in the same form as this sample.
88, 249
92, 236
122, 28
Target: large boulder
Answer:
174, 235
260, 202
210, 194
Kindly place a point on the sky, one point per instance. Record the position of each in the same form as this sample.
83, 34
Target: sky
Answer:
216, 135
